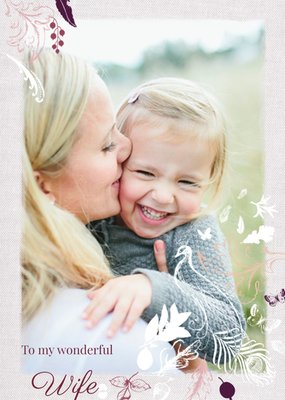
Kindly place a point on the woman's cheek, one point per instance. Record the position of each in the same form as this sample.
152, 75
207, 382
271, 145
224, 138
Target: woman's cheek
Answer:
126, 190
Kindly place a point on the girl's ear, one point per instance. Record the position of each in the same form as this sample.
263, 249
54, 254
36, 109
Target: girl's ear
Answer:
44, 184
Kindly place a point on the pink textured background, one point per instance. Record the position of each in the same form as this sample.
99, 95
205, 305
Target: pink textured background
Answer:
13, 384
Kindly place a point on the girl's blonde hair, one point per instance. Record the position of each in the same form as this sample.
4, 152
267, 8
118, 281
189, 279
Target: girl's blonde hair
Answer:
57, 249
186, 106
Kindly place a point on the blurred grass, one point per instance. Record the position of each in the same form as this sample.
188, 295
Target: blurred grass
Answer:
238, 86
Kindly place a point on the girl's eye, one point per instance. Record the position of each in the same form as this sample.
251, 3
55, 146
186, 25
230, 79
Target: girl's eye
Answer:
145, 173
110, 147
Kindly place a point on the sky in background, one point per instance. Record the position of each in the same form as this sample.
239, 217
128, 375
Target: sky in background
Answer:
123, 41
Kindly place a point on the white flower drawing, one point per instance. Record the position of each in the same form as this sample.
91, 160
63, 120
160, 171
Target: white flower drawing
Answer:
262, 207
264, 233
242, 194
165, 329
224, 215
240, 228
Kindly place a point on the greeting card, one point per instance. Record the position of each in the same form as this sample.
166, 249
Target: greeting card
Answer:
141, 192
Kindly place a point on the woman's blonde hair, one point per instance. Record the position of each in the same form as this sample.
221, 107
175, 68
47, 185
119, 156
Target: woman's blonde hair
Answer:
188, 107
57, 249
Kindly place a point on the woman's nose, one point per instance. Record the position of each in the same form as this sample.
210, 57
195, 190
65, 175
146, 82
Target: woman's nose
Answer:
124, 148
163, 195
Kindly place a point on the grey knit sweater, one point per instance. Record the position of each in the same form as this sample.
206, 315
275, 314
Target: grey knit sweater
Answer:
204, 287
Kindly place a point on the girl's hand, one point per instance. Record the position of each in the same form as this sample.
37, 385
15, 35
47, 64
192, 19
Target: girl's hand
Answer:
127, 296
160, 255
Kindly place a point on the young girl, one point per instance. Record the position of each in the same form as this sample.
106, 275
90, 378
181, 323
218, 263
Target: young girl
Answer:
178, 156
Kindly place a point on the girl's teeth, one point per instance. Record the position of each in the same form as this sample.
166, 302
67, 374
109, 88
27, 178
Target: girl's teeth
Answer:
150, 213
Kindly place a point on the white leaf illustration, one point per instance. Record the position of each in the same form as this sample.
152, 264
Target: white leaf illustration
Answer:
264, 233
173, 332
253, 363
165, 330
161, 391
181, 360
224, 215
163, 319
278, 346
240, 228
145, 359
272, 325
225, 345
35, 84
151, 329
242, 194
177, 318
262, 207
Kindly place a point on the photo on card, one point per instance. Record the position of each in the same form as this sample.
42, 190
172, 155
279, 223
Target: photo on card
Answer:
181, 162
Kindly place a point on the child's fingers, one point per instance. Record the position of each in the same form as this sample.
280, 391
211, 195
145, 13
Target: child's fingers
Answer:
134, 314
119, 315
91, 294
98, 308
99, 311
95, 298
160, 255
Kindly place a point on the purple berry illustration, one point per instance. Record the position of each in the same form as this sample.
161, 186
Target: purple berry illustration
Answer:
227, 390
56, 35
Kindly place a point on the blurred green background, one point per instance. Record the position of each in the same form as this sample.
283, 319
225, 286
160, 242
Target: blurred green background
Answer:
227, 58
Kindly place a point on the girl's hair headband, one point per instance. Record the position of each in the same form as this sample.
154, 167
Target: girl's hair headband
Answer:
133, 98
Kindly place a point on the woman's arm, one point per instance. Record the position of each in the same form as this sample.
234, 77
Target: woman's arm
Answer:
59, 327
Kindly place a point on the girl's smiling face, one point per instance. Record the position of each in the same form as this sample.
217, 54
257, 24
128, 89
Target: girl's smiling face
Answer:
163, 180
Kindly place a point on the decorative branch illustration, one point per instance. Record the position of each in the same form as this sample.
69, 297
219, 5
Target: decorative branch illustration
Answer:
252, 360
262, 207
65, 10
56, 36
29, 23
256, 319
165, 330
181, 360
200, 385
272, 258
246, 279
34, 83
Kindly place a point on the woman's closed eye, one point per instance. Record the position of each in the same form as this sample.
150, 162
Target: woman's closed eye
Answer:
110, 147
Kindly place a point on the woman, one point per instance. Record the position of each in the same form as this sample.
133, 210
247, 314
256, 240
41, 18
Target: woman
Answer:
72, 166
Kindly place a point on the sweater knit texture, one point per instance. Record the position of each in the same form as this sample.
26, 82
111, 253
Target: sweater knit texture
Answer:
203, 285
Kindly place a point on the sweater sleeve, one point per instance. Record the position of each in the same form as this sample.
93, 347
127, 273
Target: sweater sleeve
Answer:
202, 285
